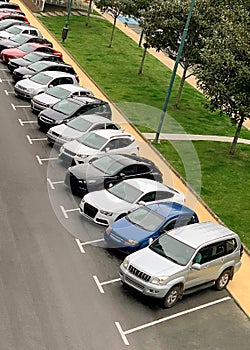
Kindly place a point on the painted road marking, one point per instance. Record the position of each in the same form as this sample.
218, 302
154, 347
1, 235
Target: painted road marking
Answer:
9, 92
2, 80
52, 183
100, 284
19, 106
41, 160
82, 244
146, 325
65, 211
22, 122
3, 68
39, 139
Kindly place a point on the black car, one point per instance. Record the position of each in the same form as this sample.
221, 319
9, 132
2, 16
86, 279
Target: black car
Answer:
69, 108
26, 72
32, 57
108, 170
20, 39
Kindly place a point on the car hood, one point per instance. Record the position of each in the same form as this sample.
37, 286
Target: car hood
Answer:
25, 71
66, 131
52, 114
104, 200
78, 148
153, 264
126, 230
86, 172
20, 62
46, 99
8, 43
13, 52
28, 84
5, 35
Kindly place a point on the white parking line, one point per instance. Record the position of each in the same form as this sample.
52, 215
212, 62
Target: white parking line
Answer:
41, 160
1, 80
22, 122
100, 284
52, 183
65, 211
18, 106
39, 139
3, 68
146, 325
82, 244
9, 92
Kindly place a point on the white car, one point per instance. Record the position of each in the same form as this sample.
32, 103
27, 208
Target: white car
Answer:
41, 82
97, 143
19, 29
106, 206
78, 127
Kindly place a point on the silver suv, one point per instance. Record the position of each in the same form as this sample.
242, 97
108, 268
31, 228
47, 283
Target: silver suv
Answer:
184, 260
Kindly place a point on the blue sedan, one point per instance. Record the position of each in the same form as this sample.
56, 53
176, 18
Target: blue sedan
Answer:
134, 231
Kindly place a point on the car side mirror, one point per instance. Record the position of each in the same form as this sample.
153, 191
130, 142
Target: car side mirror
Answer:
150, 241
122, 174
196, 266
107, 149
141, 203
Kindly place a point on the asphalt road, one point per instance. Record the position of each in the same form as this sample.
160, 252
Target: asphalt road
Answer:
58, 291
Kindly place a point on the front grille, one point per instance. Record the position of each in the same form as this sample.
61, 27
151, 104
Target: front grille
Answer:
45, 105
139, 273
55, 134
70, 153
89, 210
46, 120
133, 283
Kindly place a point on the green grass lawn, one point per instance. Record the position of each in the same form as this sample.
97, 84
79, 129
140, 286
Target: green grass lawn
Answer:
225, 179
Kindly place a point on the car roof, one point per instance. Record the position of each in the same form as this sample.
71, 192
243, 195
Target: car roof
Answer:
56, 74
87, 99
39, 53
128, 159
73, 87
109, 133
51, 63
95, 118
170, 209
198, 234
35, 45
147, 185
23, 26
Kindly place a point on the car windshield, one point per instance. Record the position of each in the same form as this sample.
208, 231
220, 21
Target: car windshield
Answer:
26, 48
126, 192
38, 66
41, 78
92, 140
66, 107
172, 249
32, 57
107, 165
14, 30
79, 124
20, 39
58, 92
145, 218
5, 23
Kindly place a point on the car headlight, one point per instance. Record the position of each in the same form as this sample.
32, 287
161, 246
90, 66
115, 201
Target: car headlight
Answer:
107, 213
57, 121
66, 138
91, 181
125, 262
30, 90
160, 280
26, 76
132, 242
81, 155
108, 230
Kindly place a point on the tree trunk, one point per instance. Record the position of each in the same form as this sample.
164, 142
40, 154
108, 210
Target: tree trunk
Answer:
88, 14
236, 136
143, 59
183, 78
113, 32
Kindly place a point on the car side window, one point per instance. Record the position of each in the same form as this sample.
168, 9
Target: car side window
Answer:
124, 142
111, 126
170, 225
148, 197
129, 170
33, 32
142, 169
65, 80
98, 126
231, 245
163, 195
113, 144
204, 255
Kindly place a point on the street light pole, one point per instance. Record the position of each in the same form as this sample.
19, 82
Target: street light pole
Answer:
183, 38
65, 28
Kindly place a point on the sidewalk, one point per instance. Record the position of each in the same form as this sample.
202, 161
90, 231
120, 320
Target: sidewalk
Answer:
240, 286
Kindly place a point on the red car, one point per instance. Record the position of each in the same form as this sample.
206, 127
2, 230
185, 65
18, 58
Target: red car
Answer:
13, 15
21, 51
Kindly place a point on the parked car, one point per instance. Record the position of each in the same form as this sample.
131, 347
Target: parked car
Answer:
13, 15
135, 230
42, 66
56, 94
19, 29
108, 170
29, 87
184, 260
7, 23
70, 108
97, 143
20, 39
8, 10
106, 206
32, 57
78, 127
24, 49
9, 5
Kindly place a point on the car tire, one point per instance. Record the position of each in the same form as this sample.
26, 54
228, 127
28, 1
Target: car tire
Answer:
223, 280
171, 297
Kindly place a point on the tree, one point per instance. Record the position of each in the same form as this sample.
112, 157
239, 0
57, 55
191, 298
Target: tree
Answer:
224, 71
164, 22
89, 11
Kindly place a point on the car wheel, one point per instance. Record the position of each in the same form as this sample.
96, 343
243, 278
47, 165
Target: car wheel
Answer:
223, 280
171, 297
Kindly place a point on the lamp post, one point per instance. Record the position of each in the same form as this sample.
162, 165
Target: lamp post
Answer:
65, 28
183, 38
